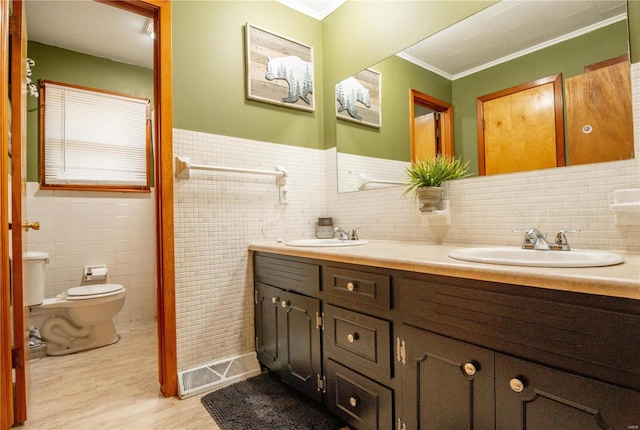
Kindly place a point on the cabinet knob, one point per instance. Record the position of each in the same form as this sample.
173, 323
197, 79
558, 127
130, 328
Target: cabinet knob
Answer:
353, 401
274, 300
516, 385
351, 286
470, 369
352, 337
284, 304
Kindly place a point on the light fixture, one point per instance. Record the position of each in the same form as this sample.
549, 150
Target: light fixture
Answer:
148, 28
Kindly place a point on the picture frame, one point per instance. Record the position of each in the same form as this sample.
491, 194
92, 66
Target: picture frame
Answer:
353, 94
272, 61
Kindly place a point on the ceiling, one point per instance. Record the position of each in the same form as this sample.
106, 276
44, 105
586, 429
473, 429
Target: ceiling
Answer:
489, 37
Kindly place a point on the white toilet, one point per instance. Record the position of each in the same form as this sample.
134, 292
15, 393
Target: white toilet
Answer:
79, 319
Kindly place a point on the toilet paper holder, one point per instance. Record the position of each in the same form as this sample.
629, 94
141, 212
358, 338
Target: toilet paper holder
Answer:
95, 273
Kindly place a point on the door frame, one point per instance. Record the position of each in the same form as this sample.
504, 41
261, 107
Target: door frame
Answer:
6, 374
160, 11
446, 120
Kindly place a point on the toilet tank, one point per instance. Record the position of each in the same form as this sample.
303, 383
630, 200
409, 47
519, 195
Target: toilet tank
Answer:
33, 277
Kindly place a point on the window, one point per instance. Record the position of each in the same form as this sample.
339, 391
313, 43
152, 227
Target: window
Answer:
93, 139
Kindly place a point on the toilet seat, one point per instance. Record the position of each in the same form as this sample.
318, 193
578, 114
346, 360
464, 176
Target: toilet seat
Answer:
93, 291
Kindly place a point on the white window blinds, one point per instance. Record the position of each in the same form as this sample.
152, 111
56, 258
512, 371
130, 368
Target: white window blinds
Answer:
94, 138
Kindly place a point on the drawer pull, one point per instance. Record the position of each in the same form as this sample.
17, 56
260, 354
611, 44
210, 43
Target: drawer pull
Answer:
351, 286
274, 300
470, 369
353, 337
353, 401
516, 385
284, 304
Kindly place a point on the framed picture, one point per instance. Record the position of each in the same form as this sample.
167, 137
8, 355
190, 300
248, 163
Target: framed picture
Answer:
359, 98
279, 70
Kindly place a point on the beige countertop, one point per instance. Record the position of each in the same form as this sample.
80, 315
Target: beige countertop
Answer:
621, 280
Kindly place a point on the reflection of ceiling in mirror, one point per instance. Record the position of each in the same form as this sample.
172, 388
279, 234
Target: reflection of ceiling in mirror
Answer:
507, 30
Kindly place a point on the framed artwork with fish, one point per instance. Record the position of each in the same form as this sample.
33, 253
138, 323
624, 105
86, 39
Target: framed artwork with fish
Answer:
359, 98
279, 70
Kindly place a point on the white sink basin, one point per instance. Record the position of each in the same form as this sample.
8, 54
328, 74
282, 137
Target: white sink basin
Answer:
325, 242
536, 258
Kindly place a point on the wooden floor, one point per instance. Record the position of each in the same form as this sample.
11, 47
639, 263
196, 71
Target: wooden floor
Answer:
111, 388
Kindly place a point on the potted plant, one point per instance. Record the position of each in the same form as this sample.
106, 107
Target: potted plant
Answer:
426, 176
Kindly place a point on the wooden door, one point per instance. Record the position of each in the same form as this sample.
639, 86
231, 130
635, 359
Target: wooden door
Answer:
599, 111
426, 142
533, 397
18, 33
299, 335
430, 137
446, 384
521, 128
267, 302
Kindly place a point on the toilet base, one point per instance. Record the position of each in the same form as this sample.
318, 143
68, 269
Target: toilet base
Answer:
63, 337
55, 350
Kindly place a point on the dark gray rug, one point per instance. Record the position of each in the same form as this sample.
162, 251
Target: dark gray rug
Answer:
265, 402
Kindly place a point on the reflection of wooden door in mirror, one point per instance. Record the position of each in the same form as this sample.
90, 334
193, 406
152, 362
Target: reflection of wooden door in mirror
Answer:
426, 142
599, 112
521, 128
431, 133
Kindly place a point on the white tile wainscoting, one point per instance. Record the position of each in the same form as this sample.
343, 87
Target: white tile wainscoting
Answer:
86, 228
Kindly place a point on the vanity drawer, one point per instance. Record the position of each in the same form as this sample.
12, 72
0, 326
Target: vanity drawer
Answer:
360, 339
287, 274
361, 402
367, 288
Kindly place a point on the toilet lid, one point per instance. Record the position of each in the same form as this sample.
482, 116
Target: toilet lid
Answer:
93, 291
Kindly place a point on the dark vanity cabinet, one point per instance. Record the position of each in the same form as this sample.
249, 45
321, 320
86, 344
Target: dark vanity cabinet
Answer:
393, 350
484, 355
288, 324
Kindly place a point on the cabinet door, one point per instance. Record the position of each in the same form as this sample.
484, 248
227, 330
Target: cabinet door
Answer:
446, 384
267, 314
299, 337
534, 397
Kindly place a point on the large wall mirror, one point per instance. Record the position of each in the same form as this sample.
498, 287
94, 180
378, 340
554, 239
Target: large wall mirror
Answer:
503, 46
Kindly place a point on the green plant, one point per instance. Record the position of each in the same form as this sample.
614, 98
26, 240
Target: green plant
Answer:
432, 172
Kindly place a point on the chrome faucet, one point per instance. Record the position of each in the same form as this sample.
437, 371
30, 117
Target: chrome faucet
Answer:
346, 236
534, 239
343, 234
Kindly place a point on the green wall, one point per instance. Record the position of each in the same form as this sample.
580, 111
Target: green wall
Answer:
633, 13
568, 58
209, 72
391, 141
61, 65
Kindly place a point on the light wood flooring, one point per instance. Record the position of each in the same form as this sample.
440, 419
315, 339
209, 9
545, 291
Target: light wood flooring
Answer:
111, 388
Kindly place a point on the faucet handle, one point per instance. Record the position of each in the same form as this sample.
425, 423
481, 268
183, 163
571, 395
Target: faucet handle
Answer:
561, 239
354, 233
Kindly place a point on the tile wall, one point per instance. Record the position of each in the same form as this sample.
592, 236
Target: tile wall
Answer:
80, 229
217, 215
